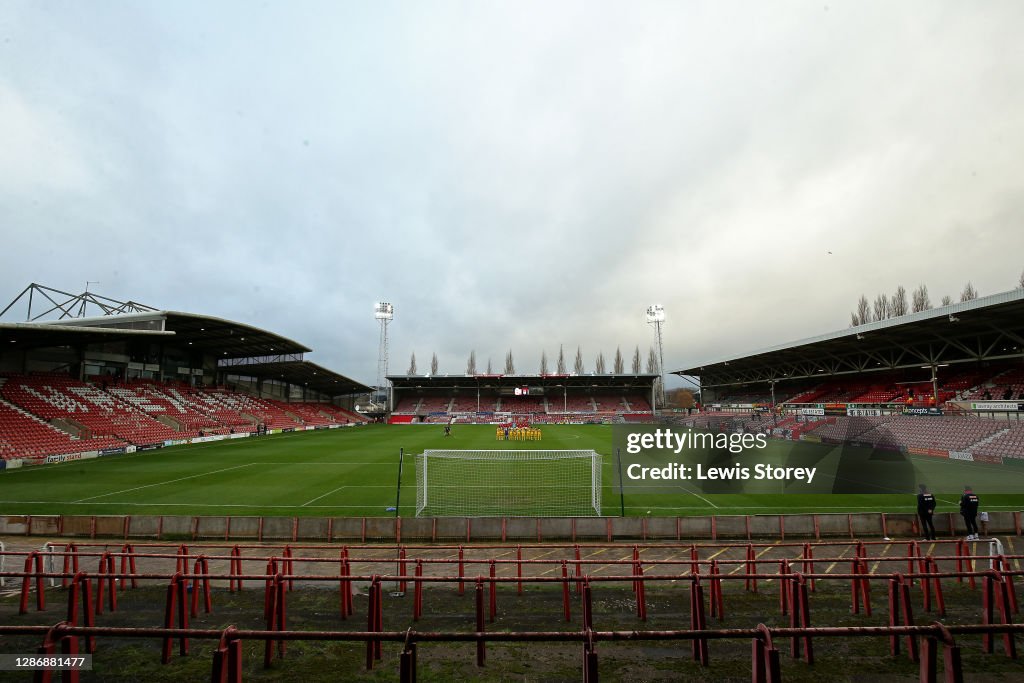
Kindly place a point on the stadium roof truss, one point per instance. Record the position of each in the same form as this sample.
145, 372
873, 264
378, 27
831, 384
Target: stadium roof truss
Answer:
67, 305
985, 329
239, 348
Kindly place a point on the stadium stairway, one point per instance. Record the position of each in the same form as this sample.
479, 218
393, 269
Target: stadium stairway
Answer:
987, 440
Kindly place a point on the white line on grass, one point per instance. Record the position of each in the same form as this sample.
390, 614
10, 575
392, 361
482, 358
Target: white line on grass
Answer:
161, 483
803, 507
692, 493
323, 496
346, 462
262, 506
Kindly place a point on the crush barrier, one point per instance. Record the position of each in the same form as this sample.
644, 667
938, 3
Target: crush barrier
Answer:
695, 565
226, 665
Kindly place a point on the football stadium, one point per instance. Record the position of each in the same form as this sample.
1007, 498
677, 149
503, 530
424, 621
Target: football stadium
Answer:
217, 464
175, 454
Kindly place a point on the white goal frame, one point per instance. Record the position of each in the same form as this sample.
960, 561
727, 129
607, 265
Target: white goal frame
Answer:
508, 483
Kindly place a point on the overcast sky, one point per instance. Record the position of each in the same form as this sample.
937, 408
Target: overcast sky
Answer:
512, 175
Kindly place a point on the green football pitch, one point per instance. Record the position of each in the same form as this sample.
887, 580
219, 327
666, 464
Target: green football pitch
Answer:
354, 472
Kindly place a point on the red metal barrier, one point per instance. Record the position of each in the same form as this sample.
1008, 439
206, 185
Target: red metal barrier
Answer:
800, 617
345, 586
995, 594
698, 621
588, 606
201, 571
764, 658
901, 611
80, 589
519, 568
566, 610
33, 569
784, 597
807, 566
106, 568
641, 593
481, 626
128, 564
751, 583
276, 618
492, 594
579, 569
287, 566
462, 571
70, 562
717, 602
176, 592
235, 569
401, 568
417, 603
227, 658
764, 664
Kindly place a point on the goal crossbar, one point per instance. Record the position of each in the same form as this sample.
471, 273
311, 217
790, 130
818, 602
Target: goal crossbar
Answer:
508, 483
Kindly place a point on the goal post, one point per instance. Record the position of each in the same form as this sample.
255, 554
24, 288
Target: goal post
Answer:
508, 483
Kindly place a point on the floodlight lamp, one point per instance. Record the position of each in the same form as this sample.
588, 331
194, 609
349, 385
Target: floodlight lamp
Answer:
656, 313
382, 310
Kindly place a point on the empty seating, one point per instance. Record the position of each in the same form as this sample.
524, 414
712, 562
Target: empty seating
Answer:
25, 436
1009, 444
522, 404
96, 411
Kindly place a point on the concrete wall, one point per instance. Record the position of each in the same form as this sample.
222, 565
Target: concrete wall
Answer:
484, 529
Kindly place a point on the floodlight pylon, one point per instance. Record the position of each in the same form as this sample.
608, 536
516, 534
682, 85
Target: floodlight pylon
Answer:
384, 313
656, 316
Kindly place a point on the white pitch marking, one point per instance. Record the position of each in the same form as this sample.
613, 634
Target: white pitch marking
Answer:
323, 496
192, 505
172, 481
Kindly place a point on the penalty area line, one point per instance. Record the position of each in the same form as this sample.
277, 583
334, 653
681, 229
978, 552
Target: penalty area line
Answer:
161, 483
323, 496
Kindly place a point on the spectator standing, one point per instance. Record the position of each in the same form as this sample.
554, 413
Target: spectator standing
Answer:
925, 511
969, 511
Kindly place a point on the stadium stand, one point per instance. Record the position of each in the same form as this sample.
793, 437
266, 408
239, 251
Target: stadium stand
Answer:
306, 413
610, 403
263, 410
52, 414
1007, 443
24, 435
87, 408
520, 404
1006, 386
572, 404
339, 414
898, 431
155, 401
212, 402
845, 429
407, 406
434, 404
639, 403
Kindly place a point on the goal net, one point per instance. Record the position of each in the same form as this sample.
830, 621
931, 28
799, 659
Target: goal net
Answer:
508, 483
